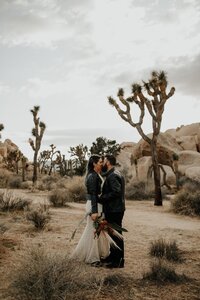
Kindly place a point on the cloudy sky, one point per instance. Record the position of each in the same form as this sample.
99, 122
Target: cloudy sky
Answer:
67, 56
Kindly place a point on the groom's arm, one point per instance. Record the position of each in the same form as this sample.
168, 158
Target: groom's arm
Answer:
115, 188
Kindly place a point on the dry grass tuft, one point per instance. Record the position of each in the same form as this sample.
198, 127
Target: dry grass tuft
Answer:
39, 216
169, 250
44, 276
161, 272
9, 202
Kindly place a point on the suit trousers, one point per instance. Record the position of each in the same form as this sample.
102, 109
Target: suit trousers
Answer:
116, 255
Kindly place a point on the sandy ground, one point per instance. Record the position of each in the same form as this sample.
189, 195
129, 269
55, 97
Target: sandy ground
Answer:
144, 221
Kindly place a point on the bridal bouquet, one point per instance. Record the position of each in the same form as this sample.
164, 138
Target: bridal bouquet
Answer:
102, 227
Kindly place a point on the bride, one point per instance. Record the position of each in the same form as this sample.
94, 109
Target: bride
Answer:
91, 249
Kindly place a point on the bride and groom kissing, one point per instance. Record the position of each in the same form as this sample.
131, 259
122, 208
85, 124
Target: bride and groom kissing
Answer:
105, 201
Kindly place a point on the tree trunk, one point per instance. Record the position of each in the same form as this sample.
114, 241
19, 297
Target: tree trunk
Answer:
156, 172
23, 173
35, 167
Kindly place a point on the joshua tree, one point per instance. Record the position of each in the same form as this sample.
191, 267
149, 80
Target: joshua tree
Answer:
61, 162
13, 159
104, 146
37, 132
80, 153
156, 89
24, 161
43, 158
1, 128
52, 153
175, 158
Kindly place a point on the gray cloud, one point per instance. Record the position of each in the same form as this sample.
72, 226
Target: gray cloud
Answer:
42, 22
164, 11
185, 75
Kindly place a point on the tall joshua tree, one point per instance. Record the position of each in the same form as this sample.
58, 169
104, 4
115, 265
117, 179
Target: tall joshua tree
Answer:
155, 89
37, 132
1, 128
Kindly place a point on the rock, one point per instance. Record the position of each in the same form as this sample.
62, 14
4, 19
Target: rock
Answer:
183, 141
3, 150
187, 142
192, 130
189, 164
166, 147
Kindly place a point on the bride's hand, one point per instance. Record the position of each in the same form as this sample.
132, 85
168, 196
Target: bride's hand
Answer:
94, 216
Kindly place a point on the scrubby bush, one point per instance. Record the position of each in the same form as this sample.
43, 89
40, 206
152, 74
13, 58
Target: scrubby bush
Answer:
39, 216
59, 197
10, 202
157, 248
27, 185
5, 175
139, 190
76, 189
188, 184
15, 182
48, 182
169, 250
161, 272
44, 276
187, 200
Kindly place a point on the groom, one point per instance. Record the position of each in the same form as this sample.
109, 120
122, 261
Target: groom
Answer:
113, 200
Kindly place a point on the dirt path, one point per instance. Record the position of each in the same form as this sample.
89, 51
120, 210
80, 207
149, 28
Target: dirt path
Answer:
144, 221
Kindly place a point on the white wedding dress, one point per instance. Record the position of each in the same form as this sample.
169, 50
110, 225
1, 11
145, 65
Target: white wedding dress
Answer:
91, 249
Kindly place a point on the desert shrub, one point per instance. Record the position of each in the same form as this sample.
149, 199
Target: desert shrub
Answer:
161, 272
47, 182
27, 185
157, 248
189, 184
45, 276
59, 197
169, 250
39, 216
76, 189
139, 190
4, 178
186, 202
172, 252
10, 202
15, 182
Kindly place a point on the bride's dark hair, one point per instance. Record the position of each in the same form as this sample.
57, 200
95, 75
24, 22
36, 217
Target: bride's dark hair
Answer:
93, 159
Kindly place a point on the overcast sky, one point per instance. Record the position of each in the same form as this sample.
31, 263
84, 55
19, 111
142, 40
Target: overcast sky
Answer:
68, 56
